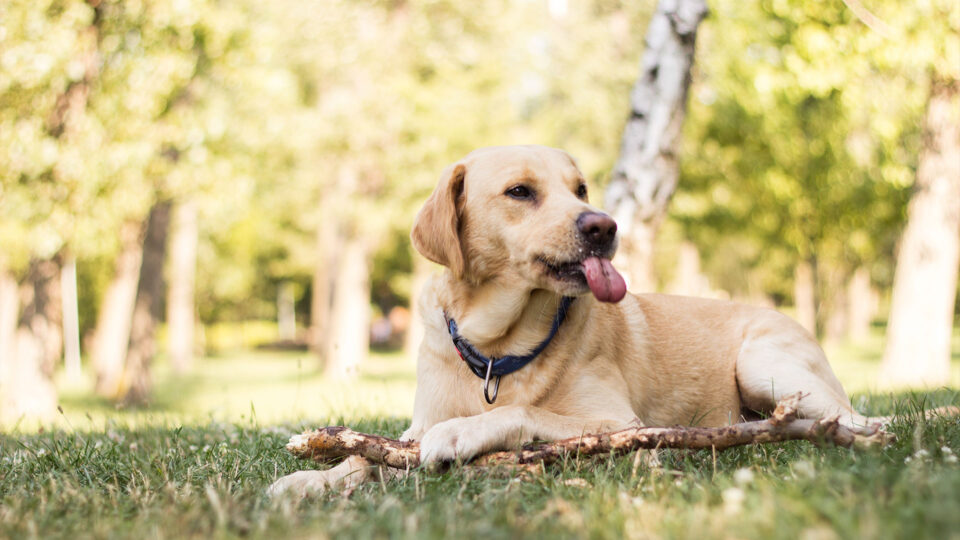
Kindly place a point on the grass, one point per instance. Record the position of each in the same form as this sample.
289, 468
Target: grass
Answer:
197, 463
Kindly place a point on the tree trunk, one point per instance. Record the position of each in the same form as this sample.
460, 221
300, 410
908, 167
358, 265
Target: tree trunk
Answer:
688, 280
112, 335
148, 308
41, 300
861, 305
286, 312
833, 313
9, 309
350, 324
645, 175
917, 352
804, 296
71, 318
321, 298
184, 236
27, 387
415, 329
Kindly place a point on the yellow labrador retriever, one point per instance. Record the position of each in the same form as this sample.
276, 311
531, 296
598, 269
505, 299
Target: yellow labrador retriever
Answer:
530, 333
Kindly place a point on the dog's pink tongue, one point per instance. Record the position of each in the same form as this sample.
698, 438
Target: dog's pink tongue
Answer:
605, 282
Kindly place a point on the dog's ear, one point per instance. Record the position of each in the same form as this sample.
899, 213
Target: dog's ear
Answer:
436, 230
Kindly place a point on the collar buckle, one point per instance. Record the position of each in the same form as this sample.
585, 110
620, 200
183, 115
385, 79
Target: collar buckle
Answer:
486, 384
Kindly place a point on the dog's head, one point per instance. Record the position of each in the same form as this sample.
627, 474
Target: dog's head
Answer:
520, 213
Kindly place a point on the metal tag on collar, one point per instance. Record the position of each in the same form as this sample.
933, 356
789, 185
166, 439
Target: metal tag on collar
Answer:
486, 385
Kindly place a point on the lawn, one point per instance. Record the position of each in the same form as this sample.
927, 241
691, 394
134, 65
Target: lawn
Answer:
196, 465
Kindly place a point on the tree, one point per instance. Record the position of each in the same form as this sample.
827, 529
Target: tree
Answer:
646, 172
800, 114
184, 237
917, 351
43, 115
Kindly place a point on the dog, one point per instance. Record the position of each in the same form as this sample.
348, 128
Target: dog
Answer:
527, 268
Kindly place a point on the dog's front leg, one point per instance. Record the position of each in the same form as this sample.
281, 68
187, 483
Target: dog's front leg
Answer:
348, 475
502, 428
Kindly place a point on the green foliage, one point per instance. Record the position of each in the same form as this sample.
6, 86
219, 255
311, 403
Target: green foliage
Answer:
278, 118
803, 135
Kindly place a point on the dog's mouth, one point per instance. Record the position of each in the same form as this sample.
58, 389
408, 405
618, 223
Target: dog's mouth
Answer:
606, 284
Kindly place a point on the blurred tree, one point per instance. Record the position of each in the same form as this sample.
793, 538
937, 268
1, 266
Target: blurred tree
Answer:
45, 83
917, 352
146, 312
797, 155
646, 172
184, 236
923, 43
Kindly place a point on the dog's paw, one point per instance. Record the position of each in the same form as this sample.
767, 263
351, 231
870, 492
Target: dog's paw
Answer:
300, 484
352, 472
454, 439
412, 434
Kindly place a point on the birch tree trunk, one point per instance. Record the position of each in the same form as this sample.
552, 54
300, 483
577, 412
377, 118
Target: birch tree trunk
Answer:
917, 352
645, 175
350, 323
147, 310
184, 236
112, 335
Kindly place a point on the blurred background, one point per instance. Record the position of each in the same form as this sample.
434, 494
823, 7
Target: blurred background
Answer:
205, 206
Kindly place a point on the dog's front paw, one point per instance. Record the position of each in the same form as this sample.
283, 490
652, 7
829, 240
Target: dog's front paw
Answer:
456, 439
347, 475
412, 434
300, 484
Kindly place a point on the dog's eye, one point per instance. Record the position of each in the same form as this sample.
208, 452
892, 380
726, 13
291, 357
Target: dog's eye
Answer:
582, 191
522, 193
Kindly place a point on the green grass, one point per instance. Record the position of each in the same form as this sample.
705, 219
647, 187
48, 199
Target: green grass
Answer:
237, 386
196, 465
209, 481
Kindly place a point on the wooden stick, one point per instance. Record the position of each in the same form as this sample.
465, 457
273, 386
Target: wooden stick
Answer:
333, 442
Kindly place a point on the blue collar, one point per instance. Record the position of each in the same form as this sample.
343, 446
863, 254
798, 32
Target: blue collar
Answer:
485, 368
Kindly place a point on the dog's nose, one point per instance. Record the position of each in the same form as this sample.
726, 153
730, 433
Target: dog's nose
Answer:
597, 229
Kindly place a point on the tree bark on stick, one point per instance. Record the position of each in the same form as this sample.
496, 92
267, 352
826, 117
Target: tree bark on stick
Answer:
917, 352
147, 310
184, 237
646, 173
335, 442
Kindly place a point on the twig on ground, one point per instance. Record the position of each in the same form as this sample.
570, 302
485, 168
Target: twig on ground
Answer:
333, 442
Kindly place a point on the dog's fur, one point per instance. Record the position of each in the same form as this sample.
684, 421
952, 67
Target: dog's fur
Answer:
651, 358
